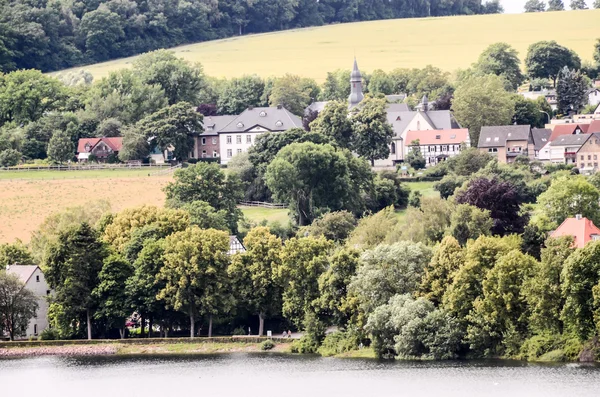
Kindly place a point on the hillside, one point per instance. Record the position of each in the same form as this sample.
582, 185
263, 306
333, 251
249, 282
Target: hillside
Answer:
446, 42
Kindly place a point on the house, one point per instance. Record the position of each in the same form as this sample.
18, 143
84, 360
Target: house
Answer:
540, 138
436, 145
240, 133
207, 144
235, 246
588, 154
101, 148
594, 127
563, 150
568, 129
582, 229
507, 142
549, 95
594, 96
34, 280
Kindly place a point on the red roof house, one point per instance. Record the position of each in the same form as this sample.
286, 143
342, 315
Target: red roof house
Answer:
582, 229
594, 127
99, 147
568, 129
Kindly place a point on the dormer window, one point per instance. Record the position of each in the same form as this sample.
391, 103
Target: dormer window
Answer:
510, 133
496, 139
240, 125
263, 114
279, 123
88, 147
438, 137
488, 139
452, 136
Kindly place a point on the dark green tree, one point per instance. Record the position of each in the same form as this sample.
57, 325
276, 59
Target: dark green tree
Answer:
571, 90
333, 121
372, 132
502, 60
556, 5
60, 147
545, 59
240, 93
18, 305
415, 157
535, 6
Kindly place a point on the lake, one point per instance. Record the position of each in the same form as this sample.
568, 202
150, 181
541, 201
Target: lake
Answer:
269, 374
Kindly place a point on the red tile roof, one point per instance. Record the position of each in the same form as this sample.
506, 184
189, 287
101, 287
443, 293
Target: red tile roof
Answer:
581, 229
114, 143
594, 127
565, 129
430, 137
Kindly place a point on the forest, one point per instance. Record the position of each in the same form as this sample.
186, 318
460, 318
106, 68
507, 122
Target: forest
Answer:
51, 35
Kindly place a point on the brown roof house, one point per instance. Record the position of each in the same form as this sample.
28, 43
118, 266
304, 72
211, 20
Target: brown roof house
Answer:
588, 155
507, 142
582, 229
101, 148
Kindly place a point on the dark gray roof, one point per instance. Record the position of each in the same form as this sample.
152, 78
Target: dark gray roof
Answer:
316, 106
498, 135
397, 107
540, 137
212, 124
440, 119
270, 118
395, 98
24, 272
570, 140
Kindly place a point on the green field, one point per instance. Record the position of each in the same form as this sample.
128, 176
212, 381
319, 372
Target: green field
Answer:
257, 214
446, 42
83, 174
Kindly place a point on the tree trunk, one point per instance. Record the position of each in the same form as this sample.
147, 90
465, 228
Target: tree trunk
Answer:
210, 326
89, 324
191, 324
372, 162
261, 324
150, 320
122, 332
143, 324
240, 29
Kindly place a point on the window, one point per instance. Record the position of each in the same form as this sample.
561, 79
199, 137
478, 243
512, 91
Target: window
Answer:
37, 279
228, 138
496, 139
589, 165
589, 156
488, 139
595, 157
238, 139
438, 137
595, 165
418, 126
492, 150
229, 153
453, 136
240, 125
432, 148
444, 148
263, 114
215, 154
248, 138
581, 165
204, 154
239, 151
582, 157
214, 141
393, 148
279, 123
203, 141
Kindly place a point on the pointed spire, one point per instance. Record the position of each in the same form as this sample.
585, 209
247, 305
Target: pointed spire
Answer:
355, 76
356, 92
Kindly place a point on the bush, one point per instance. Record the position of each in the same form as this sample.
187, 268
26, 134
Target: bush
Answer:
339, 342
414, 200
267, 345
49, 334
239, 331
305, 345
9, 158
551, 347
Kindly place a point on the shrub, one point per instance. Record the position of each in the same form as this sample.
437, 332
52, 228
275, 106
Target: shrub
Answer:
239, 331
551, 347
49, 334
339, 342
9, 158
267, 345
305, 345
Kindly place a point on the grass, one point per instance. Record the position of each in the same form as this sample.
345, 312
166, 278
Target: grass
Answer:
84, 174
446, 42
426, 189
257, 214
197, 348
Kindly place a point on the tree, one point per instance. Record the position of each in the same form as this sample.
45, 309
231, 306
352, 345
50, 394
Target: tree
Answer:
110, 127
195, 272
545, 59
578, 5
535, 6
180, 81
447, 258
380, 83
570, 196
240, 93
135, 145
372, 132
528, 112
206, 217
18, 305
15, 254
312, 177
426, 221
71, 266
60, 147
388, 190
303, 260
571, 90
482, 101
333, 121
102, 30
10, 158
597, 6
207, 182
469, 222
253, 274
292, 92
373, 229
556, 5
502, 60
335, 226
388, 270
415, 157
597, 45
111, 292
175, 126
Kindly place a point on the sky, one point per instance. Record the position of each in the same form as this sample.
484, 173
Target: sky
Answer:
516, 6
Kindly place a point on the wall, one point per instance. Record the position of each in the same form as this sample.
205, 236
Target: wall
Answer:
210, 145
239, 142
40, 289
590, 151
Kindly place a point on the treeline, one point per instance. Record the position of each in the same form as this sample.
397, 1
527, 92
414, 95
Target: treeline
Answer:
53, 35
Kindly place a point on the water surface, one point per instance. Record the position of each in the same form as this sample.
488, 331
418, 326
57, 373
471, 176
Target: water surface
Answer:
249, 375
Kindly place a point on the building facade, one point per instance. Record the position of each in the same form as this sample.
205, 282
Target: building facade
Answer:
100, 148
437, 145
507, 142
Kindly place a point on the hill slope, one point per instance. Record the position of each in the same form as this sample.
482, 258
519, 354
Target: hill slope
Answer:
446, 42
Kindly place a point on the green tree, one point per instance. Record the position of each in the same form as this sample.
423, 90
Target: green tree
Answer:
380, 83
447, 258
111, 293
336, 86
597, 6
293, 92
571, 90
469, 222
568, 196
60, 147
426, 223
535, 6
372, 132
373, 229
528, 112
175, 126
110, 127
545, 59
101, 30
502, 60
335, 226
18, 305
448, 184
135, 145
240, 93
195, 272
72, 266
206, 217
303, 260
10, 158
253, 274
16, 253
556, 5
481, 101
333, 121
180, 81
313, 177
597, 45
415, 157
578, 5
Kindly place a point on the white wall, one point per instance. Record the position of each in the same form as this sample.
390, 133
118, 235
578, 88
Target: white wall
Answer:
37, 284
230, 147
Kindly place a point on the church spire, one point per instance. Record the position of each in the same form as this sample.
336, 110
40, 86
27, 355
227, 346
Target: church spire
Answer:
356, 92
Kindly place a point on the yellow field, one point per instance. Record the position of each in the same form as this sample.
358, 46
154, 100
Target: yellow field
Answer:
446, 42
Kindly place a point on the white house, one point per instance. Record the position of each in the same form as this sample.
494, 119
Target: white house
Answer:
34, 280
594, 96
437, 145
564, 148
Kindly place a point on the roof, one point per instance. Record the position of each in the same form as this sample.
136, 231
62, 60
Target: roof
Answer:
397, 107
438, 137
564, 129
395, 98
495, 136
540, 136
23, 272
271, 118
212, 124
115, 144
581, 228
440, 119
316, 106
570, 140
235, 245
594, 127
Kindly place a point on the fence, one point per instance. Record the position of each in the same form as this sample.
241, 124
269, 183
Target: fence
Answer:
87, 167
263, 204
167, 171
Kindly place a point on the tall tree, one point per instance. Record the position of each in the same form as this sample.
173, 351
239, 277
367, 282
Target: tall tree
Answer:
72, 265
16, 253
578, 5
415, 157
18, 305
293, 92
597, 45
545, 59
556, 5
571, 90
60, 147
333, 121
372, 132
447, 258
195, 271
102, 30
240, 93
502, 60
569, 196
535, 6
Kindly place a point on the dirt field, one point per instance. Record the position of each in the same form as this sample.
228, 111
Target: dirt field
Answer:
24, 204
446, 42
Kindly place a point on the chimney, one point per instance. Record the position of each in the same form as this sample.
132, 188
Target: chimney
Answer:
578, 217
280, 106
250, 107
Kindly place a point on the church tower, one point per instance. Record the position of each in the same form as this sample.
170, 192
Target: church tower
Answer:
356, 92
